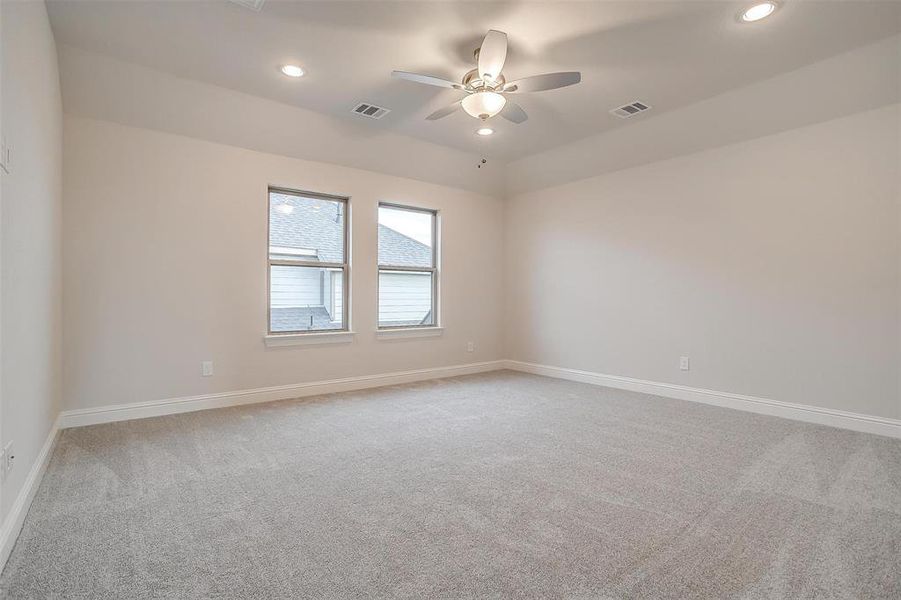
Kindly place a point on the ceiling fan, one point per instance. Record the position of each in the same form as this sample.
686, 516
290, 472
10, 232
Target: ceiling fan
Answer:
486, 88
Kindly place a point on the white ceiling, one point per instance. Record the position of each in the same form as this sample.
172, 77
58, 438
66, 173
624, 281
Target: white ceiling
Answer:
668, 54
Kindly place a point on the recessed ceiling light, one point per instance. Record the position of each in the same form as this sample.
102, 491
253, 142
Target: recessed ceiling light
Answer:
484, 131
292, 70
758, 11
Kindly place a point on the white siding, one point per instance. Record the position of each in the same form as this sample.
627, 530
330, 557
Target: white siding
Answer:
295, 286
404, 296
327, 284
336, 304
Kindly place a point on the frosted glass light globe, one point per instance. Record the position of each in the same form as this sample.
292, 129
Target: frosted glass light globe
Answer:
482, 105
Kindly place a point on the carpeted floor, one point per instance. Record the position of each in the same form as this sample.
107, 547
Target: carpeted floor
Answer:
500, 485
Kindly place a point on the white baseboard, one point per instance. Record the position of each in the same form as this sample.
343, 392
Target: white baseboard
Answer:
156, 408
798, 412
12, 525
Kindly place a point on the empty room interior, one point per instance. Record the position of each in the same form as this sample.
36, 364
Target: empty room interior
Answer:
419, 299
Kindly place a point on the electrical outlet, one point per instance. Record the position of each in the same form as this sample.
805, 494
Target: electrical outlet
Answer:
9, 456
206, 368
470, 346
684, 363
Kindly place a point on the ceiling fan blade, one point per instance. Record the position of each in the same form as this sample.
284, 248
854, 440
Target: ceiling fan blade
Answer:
514, 113
492, 55
443, 112
541, 83
426, 79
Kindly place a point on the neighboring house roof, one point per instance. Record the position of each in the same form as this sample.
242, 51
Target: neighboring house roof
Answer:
300, 318
396, 249
322, 230
307, 228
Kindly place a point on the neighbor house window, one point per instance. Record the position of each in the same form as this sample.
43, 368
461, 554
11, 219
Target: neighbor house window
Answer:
408, 268
307, 262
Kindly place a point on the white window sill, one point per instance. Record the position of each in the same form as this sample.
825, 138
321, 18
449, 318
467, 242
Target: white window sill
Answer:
409, 332
307, 339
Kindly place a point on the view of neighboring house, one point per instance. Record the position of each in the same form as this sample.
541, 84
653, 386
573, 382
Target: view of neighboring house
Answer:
311, 298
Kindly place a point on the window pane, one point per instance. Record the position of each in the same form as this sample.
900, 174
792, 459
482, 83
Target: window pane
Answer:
405, 237
305, 299
405, 299
306, 228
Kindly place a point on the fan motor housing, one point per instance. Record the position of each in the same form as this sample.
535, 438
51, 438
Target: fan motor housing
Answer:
472, 82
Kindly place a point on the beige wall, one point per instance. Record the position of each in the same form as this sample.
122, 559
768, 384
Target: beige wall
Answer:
30, 217
773, 264
165, 266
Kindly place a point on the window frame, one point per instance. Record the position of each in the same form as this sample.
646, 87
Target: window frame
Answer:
344, 266
433, 270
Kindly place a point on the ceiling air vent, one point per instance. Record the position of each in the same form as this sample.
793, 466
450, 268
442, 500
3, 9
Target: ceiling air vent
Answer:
370, 110
254, 5
630, 110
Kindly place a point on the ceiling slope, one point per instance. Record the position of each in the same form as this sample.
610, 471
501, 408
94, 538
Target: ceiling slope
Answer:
856, 81
100, 87
668, 54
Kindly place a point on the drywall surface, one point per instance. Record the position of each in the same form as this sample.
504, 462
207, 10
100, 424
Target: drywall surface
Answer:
31, 213
166, 266
773, 264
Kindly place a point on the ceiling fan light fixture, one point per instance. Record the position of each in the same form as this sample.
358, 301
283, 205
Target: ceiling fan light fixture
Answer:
486, 86
483, 105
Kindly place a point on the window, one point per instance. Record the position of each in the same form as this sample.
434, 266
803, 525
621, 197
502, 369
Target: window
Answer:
307, 262
408, 273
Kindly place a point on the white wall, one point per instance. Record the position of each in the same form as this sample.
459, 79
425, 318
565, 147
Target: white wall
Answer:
165, 266
773, 264
30, 276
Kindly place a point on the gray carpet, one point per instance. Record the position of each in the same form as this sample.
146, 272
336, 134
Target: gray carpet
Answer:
500, 485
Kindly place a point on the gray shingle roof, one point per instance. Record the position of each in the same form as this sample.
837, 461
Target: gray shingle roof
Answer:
308, 227
300, 318
318, 225
396, 249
